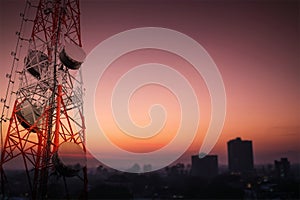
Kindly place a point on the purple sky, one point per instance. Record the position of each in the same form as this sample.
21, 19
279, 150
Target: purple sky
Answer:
255, 44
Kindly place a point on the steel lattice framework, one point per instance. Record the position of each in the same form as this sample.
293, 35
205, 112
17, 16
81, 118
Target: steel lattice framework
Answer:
52, 92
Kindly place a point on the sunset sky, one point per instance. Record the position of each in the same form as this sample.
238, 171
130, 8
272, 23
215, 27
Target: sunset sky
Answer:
255, 45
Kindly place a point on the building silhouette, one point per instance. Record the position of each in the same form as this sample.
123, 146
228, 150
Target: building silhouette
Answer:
282, 168
206, 167
240, 155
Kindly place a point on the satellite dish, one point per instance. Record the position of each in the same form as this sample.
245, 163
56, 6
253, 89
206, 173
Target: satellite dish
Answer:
69, 159
36, 62
27, 114
72, 56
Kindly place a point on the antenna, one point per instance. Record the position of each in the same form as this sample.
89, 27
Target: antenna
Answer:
46, 123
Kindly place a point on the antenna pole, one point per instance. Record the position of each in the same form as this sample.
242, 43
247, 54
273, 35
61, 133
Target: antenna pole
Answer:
46, 108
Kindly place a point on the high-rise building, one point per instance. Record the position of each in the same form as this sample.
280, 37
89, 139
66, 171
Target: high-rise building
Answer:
240, 155
282, 168
206, 167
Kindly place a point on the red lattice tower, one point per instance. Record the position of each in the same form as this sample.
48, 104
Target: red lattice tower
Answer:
47, 114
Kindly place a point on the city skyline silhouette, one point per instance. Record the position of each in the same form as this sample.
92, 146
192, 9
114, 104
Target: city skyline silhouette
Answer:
165, 75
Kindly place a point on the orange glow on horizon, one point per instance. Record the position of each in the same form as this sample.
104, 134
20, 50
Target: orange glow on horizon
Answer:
145, 97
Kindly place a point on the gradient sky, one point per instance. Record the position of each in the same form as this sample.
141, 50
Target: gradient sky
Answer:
255, 45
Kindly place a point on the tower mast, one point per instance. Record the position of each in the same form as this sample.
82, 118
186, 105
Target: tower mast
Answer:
48, 109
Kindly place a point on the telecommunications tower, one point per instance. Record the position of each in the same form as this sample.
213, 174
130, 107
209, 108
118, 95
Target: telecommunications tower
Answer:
43, 113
